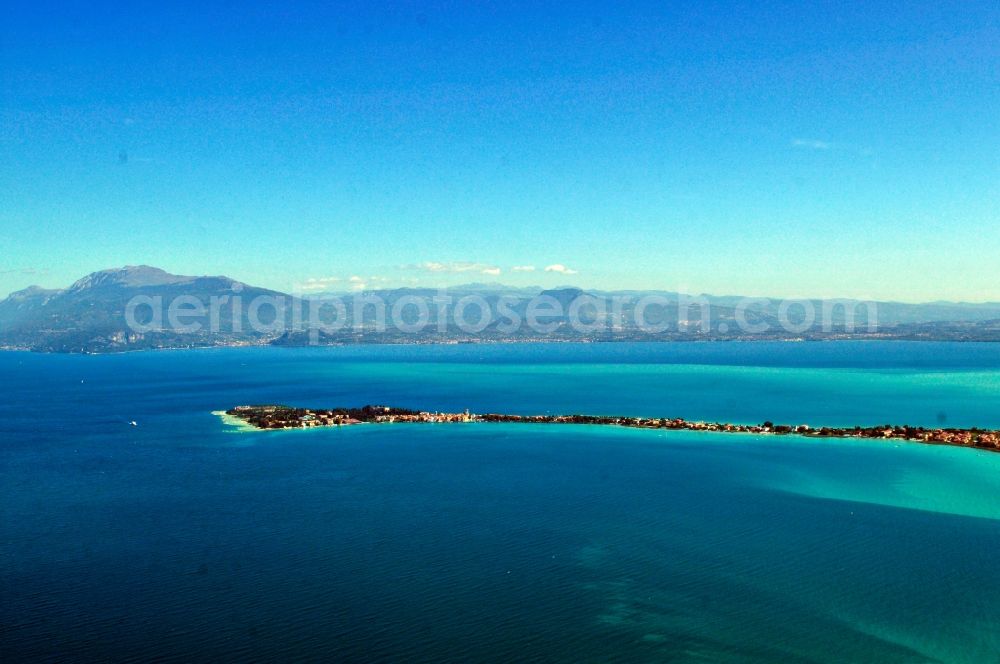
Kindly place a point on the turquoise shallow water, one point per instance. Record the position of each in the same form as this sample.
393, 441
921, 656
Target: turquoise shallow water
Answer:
179, 538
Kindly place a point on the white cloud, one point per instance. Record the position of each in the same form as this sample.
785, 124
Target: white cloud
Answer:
523, 268
355, 282
811, 144
840, 148
318, 283
429, 266
560, 268
456, 267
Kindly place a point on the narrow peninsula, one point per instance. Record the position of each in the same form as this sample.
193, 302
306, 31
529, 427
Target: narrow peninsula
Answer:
268, 417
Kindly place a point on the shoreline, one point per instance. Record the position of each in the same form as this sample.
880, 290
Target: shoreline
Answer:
233, 421
272, 417
506, 342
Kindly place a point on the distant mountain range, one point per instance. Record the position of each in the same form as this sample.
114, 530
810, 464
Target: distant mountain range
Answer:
93, 315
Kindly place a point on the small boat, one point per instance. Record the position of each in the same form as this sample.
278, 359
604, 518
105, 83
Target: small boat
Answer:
134, 423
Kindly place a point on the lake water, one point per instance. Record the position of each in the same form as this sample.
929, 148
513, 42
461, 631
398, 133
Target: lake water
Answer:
180, 538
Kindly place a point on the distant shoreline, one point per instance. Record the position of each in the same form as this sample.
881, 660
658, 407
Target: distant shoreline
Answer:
506, 342
276, 417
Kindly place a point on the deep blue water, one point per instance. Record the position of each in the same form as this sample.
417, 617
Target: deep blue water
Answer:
181, 539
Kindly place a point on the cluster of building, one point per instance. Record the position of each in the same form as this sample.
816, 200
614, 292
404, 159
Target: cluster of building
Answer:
285, 417
424, 416
964, 437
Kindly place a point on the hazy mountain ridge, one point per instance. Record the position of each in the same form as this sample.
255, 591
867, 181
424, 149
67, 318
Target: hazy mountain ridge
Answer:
90, 316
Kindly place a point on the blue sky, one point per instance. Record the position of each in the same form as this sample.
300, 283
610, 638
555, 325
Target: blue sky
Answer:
795, 149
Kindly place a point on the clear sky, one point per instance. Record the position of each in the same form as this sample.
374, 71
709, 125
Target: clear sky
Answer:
791, 149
